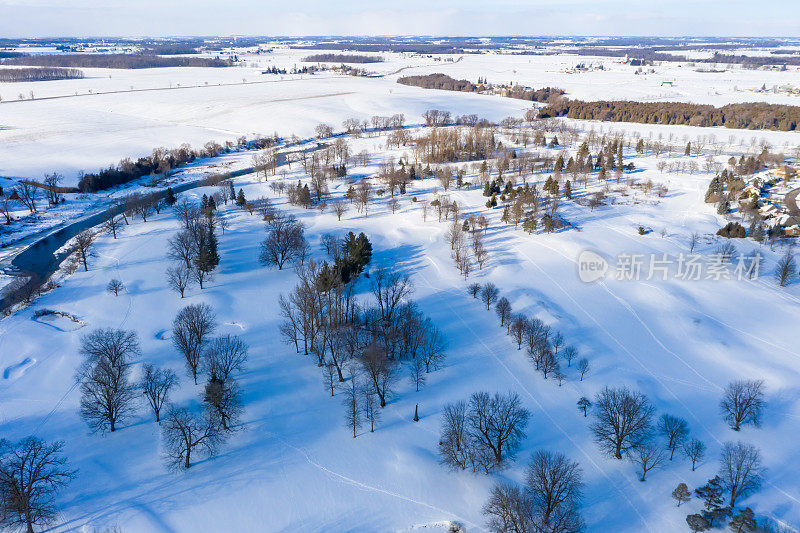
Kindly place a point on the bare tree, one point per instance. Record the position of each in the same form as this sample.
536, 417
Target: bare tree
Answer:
648, 456
183, 433
694, 450
181, 247
190, 331
503, 310
390, 289
675, 430
742, 403
284, 242
380, 370
457, 446
416, 372
474, 289
178, 278
554, 484
5, 208
156, 384
622, 420
498, 422
352, 401
489, 293
223, 399
371, 414
51, 182
740, 470
432, 347
31, 474
517, 327
224, 356
113, 225
681, 494
509, 510
339, 208
107, 394
27, 195
83, 242
116, 345
115, 286
583, 367
569, 353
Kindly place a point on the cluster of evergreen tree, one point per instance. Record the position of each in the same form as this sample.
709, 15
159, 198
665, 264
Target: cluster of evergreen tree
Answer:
274, 70
356, 254
446, 83
159, 162
753, 115
342, 58
128, 61
39, 74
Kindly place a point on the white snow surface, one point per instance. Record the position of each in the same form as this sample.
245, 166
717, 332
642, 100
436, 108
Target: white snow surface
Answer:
293, 465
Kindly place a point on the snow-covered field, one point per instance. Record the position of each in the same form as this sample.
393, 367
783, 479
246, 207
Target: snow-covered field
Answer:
102, 125
293, 465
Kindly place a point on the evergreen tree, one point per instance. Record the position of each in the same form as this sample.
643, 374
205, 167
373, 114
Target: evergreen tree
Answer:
356, 254
547, 223
169, 197
240, 199
529, 225
743, 521
711, 494
688, 150
304, 196
567, 190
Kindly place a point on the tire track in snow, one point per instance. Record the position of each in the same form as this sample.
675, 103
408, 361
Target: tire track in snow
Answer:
370, 488
553, 422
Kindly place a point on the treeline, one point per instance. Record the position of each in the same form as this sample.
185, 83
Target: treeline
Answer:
39, 74
753, 115
438, 81
446, 83
419, 48
127, 61
341, 58
160, 162
652, 54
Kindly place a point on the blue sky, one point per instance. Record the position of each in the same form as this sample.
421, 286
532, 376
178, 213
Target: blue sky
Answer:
35, 18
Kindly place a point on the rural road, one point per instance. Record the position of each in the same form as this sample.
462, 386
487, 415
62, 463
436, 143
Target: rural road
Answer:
791, 202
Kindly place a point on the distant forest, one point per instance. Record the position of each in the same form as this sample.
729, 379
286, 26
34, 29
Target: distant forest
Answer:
653, 54
419, 48
754, 115
445, 82
341, 58
39, 74
131, 61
